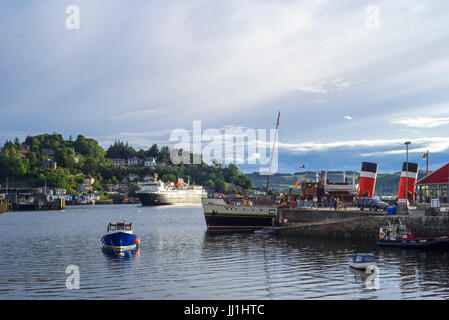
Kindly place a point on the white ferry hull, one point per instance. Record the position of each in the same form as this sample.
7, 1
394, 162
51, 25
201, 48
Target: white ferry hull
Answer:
156, 199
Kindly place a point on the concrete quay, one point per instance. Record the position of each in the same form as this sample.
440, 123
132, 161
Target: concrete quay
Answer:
355, 225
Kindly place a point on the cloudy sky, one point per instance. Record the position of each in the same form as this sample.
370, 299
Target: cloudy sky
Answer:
353, 80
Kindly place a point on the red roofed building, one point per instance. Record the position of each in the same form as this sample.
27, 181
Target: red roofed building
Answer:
434, 185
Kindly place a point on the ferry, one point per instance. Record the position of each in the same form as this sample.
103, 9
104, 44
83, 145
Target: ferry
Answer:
238, 214
397, 235
177, 192
120, 237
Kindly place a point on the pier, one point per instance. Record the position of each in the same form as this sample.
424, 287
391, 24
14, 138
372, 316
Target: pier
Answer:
4, 205
30, 199
355, 225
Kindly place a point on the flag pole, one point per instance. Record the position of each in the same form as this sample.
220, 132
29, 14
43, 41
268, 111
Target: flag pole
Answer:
272, 152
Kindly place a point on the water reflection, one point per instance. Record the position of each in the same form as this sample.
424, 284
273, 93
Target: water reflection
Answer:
122, 255
179, 259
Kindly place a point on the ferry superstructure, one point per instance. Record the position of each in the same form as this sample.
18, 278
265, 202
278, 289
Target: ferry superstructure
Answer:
160, 193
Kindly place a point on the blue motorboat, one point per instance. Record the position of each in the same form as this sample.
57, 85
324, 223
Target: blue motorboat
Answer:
120, 237
362, 260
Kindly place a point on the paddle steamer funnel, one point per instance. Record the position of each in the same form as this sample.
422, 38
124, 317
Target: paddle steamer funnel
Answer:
367, 180
412, 175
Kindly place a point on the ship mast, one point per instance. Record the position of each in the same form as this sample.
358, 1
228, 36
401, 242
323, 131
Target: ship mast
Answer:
272, 152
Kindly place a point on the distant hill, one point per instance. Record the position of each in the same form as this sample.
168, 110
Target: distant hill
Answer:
386, 184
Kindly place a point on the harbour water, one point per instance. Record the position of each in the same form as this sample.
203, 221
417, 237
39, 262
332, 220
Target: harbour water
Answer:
178, 259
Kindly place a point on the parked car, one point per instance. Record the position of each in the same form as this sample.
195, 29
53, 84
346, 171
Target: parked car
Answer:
371, 203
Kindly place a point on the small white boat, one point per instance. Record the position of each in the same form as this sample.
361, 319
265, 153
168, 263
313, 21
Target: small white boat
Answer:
263, 231
362, 260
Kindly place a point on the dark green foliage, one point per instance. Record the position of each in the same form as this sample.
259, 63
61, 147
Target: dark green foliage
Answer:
84, 156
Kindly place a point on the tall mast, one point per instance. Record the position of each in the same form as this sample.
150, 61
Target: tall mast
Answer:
272, 152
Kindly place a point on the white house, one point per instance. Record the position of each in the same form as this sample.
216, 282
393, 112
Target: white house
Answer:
151, 162
134, 161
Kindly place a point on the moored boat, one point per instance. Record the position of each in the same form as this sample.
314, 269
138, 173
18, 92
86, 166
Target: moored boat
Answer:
244, 215
120, 237
399, 236
362, 260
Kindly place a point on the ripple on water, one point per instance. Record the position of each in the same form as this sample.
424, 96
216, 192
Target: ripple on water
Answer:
178, 259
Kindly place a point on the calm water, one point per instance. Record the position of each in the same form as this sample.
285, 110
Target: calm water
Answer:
179, 260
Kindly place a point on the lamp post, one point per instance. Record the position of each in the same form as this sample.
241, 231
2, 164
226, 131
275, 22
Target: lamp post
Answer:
406, 172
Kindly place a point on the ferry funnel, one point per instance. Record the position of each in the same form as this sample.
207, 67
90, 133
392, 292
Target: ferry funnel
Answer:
412, 174
367, 180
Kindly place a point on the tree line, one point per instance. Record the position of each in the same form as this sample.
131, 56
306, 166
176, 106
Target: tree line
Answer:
75, 159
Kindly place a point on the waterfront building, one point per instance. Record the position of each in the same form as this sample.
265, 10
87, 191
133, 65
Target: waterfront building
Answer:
120, 187
86, 188
150, 162
48, 164
119, 162
133, 177
434, 186
60, 191
135, 161
48, 152
89, 180
23, 152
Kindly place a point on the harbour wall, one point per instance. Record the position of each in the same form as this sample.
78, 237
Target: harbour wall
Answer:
356, 225
3, 206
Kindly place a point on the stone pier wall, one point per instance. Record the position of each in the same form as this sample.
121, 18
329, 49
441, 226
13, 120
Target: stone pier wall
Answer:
311, 215
363, 225
3, 206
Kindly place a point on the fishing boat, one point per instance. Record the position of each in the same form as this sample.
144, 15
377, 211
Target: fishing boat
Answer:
397, 235
362, 260
120, 237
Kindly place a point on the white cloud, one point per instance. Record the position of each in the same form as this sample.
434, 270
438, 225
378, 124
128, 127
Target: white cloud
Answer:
138, 115
433, 144
347, 117
422, 122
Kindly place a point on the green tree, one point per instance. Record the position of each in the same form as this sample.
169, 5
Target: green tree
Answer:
168, 177
221, 186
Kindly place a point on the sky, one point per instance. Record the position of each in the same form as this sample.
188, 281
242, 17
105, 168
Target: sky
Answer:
353, 80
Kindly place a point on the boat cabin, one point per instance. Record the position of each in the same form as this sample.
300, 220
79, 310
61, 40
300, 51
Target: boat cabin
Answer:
395, 232
120, 226
364, 258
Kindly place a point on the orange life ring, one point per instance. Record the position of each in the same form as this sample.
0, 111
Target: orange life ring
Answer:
382, 235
